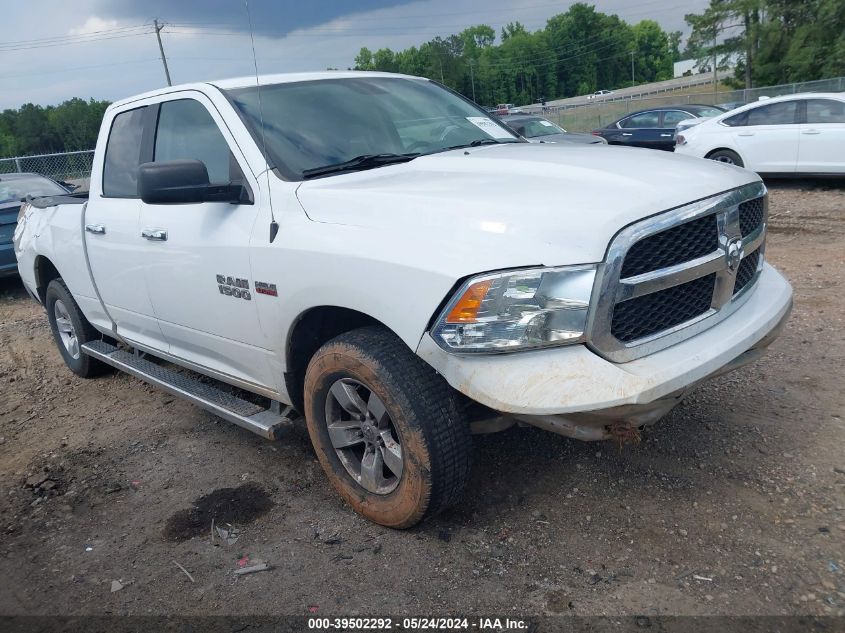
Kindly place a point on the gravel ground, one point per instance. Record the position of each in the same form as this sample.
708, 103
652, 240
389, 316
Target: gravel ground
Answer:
733, 504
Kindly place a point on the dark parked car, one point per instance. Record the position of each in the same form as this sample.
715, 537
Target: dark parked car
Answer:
654, 128
14, 188
539, 130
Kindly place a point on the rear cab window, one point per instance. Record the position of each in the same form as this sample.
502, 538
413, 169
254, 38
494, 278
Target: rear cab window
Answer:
123, 154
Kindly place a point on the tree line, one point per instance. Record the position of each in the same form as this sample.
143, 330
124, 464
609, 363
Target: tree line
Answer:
577, 52
33, 129
766, 42
771, 41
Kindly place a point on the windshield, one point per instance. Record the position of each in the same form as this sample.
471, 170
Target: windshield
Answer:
532, 128
19, 188
313, 124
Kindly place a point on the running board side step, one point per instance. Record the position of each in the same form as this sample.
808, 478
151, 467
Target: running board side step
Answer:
268, 423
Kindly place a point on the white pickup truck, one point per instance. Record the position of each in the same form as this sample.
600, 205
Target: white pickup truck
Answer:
375, 252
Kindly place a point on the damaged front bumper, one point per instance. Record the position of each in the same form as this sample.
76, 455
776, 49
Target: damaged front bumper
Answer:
574, 392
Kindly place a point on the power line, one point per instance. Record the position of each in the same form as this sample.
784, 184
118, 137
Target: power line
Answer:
4, 48
76, 35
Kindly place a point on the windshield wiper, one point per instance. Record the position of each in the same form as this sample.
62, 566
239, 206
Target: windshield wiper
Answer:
481, 141
365, 161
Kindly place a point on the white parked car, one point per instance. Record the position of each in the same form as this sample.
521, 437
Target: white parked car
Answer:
797, 134
380, 255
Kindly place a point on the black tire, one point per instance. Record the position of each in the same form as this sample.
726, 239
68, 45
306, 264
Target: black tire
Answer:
423, 411
80, 364
726, 156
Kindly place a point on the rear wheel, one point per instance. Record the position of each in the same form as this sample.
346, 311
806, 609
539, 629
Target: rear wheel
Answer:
386, 427
71, 330
726, 156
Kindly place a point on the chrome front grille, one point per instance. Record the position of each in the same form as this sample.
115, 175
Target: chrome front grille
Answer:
673, 275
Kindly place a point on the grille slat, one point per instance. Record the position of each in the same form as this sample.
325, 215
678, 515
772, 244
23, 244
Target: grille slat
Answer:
677, 245
746, 270
751, 214
652, 313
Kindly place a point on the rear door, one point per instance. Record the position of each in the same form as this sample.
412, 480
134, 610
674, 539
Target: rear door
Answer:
641, 130
198, 270
821, 146
112, 235
768, 138
669, 120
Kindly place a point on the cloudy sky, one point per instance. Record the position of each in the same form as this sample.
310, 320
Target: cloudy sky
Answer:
54, 50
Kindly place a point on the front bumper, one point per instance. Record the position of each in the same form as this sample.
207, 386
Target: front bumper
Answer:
536, 386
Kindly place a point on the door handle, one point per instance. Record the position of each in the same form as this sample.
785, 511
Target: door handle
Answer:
669, 135
99, 229
154, 235
745, 133
810, 132
627, 134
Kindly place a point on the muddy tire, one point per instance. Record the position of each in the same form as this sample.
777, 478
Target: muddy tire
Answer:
386, 428
71, 330
726, 156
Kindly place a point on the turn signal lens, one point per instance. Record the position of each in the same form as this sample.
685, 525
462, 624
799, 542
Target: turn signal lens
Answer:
466, 309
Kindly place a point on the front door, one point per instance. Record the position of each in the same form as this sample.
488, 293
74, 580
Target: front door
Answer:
112, 235
198, 258
768, 141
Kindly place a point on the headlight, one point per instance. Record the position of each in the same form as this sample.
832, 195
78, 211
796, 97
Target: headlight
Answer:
523, 309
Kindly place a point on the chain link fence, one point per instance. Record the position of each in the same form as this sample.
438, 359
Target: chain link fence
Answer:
71, 167
595, 114
75, 167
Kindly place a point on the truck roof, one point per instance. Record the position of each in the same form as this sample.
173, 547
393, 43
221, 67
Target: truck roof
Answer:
263, 80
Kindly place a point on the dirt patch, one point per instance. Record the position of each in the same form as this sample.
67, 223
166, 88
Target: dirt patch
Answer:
732, 504
237, 506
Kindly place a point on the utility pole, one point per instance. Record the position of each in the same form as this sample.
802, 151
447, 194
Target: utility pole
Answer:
715, 69
441, 71
161, 48
472, 79
633, 83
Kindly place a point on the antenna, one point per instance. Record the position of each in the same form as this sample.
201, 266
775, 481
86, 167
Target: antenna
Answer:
274, 226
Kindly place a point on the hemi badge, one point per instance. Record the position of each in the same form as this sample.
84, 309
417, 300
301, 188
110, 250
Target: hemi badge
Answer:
263, 288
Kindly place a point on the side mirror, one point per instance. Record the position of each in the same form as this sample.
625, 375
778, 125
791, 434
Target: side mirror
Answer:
185, 181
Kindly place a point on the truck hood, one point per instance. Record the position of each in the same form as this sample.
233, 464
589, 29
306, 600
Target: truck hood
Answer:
515, 204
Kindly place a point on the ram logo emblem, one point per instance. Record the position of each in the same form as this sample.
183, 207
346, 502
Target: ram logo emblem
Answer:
234, 287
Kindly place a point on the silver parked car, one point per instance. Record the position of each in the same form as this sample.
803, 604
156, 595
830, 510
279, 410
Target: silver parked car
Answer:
539, 130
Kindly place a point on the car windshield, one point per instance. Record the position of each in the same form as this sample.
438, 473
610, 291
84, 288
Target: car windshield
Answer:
532, 128
14, 189
313, 124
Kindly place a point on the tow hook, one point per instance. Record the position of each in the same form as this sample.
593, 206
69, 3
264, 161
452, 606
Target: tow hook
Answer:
622, 433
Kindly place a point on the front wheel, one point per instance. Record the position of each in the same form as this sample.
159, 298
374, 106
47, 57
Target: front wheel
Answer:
726, 156
386, 428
